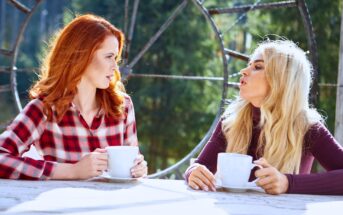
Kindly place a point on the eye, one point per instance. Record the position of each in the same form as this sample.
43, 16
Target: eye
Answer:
258, 67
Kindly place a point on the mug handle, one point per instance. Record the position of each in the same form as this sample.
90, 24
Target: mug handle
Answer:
253, 183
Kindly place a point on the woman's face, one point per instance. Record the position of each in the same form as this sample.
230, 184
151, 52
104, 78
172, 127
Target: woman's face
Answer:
103, 64
253, 84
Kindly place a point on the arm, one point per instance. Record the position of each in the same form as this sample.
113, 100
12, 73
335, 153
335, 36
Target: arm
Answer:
130, 132
208, 156
26, 128
140, 168
329, 153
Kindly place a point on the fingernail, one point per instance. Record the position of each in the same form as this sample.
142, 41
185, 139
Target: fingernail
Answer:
206, 188
196, 188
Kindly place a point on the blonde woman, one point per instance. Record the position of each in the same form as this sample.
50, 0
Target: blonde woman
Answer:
273, 122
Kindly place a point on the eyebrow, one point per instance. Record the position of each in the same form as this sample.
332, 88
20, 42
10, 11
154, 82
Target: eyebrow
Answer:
256, 61
111, 53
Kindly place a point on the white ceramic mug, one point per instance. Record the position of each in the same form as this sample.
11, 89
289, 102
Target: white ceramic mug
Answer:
121, 160
233, 170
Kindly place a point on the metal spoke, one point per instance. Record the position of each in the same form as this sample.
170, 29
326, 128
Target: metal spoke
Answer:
19, 38
6, 52
132, 28
232, 84
20, 6
7, 69
5, 88
158, 33
182, 77
246, 8
190, 155
311, 41
126, 17
236, 54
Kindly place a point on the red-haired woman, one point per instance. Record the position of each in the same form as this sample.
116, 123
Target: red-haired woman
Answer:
78, 108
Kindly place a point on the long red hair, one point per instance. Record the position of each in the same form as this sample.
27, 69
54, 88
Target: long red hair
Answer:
70, 54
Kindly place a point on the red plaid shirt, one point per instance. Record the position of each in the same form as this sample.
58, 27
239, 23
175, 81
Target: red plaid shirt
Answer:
63, 142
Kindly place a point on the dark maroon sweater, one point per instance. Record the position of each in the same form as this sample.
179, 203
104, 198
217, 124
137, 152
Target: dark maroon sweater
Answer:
318, 143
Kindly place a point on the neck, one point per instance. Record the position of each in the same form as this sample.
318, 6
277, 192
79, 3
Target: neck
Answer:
85, 99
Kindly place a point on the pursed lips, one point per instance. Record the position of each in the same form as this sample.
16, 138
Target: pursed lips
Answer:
109, 77
242, 81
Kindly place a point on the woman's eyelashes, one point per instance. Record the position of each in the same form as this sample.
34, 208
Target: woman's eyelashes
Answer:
257, 66
110, 56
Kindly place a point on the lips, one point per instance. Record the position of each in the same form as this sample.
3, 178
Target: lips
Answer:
109, 77
242, 81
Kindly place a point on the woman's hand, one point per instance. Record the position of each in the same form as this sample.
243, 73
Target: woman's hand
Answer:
91, 165
140, 168
201, 178
270, 179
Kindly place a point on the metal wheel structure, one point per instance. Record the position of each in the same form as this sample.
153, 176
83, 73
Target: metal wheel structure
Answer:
127, 69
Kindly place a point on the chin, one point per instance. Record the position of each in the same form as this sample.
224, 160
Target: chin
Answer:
103, 87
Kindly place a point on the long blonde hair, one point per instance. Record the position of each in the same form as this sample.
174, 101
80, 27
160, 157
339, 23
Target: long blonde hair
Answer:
285, 112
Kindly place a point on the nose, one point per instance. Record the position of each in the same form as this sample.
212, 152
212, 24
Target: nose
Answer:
115, 66
244, 71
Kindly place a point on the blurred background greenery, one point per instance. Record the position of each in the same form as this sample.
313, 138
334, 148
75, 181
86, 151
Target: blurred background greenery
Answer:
174, 115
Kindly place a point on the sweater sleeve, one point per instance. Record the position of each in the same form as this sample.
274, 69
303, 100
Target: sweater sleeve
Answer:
130, 133
329, 154
208, 156
25, 129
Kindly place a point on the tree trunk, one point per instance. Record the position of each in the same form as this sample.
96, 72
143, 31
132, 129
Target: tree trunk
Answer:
339, 98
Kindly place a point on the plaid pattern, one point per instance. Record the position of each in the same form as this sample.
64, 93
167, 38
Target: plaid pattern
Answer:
63, 142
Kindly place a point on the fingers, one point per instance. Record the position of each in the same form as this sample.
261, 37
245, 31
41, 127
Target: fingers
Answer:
102, 157
100, 150
271, 180
262, 162
197, 184
208, 178
202, 178
139, 159
260, 173
140, 169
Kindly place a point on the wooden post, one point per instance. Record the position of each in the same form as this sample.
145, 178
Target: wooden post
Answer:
339, 98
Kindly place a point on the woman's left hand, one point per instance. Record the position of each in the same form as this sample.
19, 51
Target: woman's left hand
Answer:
270, 179
140, 168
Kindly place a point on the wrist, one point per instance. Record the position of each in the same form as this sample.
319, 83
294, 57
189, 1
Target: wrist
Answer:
64, 171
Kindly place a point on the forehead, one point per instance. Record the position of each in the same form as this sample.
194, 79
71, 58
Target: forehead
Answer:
110, 43
257, 56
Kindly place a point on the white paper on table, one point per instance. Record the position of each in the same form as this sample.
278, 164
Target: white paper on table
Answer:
198, 207
85, 199
332, 208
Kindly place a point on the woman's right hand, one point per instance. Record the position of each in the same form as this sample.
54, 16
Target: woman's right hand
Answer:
202, 178
91, 165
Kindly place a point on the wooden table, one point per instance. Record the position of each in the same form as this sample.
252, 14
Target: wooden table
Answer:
151, 196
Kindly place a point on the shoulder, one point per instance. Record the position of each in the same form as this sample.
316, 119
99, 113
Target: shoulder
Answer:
35, 106
31, 115
317, 129
127, 102
317, 133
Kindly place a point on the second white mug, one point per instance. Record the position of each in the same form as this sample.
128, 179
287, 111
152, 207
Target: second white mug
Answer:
233, 170
121, 160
